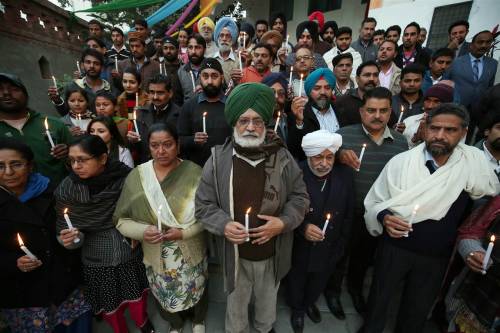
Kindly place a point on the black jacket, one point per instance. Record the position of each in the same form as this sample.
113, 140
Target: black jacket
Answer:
60, 272
421, 57
336, 199
311, 124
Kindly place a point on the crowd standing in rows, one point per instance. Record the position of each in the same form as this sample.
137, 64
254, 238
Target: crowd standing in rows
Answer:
306, 164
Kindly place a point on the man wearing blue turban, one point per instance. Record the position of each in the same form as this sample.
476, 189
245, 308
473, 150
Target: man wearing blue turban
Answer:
315, 112
225, 35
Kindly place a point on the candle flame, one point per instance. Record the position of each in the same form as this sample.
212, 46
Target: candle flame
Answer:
301, 76
65, 210
492, 239
20, 240
328, 216
279, 114
291, 68
415, 208
205, 114
364, 145
53, 77
402, 108
249, 210
46, 124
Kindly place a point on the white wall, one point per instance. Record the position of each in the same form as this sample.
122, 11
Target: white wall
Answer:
484, 14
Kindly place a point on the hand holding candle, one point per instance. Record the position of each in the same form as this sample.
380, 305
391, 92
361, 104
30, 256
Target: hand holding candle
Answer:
361, 155
205, 122
412, 217
70, 225
325, 226
47, 132
54, 81
134, 120
401, 114
301, 85
247, 222
487, 256
25, 249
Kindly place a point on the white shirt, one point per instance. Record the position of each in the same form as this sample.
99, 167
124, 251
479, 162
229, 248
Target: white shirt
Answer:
125, 157
356, 59
495, 164
328, 120
385, 78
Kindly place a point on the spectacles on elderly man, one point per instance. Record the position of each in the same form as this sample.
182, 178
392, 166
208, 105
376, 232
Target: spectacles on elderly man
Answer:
257, 122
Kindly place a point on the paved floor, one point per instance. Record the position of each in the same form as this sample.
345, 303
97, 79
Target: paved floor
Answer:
217, 307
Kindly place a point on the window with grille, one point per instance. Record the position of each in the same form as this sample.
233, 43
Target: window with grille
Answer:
442, 18
282, 6
324, 5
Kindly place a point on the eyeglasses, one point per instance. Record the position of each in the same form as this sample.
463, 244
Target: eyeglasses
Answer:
81, 160
16, 166
300, 58
244, 122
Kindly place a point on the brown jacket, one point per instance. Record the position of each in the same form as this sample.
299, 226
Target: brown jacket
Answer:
121, 103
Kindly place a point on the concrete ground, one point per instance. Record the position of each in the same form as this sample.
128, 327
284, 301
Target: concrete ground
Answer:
217, 307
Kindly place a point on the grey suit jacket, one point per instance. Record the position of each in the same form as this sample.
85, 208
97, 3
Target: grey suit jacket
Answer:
470, 91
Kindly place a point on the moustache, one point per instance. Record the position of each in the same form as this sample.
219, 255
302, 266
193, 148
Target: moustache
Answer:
376, 121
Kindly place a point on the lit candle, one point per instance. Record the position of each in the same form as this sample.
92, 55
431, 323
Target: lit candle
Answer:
204, 122
116, 62
136, 100
47, 132
54, 81
412, 217
301, 83
158, 214
401, 114
487, 256
79, 121
361, 155
70, 225
247, 221
241, 63
192, 80
25, 249
277, 122
326, 224
290, 79
134, 119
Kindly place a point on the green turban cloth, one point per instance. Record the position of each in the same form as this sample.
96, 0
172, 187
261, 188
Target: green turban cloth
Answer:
255, 96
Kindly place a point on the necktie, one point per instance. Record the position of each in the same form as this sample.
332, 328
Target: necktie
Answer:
475, 69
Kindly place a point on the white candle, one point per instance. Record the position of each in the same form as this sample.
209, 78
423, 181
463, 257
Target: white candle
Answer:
301, 83
247, 221
286, 44
136, 100
204, 122
54, 81
134, 119
69, 224
277, 122
47, 132
401, 114
241, 63
161, 69
361, 155
116, 62
79, 121
487, 256
290, 79
25, 249
412, 217
244, 41
192, 80
78, 66
158, 214
326, 224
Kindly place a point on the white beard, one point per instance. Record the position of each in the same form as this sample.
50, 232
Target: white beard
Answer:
224, 48
248, 141
315, 172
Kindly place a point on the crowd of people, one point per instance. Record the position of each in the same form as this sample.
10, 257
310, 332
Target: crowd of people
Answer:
293, 166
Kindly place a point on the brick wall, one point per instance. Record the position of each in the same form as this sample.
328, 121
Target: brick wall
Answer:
24, 41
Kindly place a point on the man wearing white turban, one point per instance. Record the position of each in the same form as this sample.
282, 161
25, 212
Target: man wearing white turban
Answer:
319, 244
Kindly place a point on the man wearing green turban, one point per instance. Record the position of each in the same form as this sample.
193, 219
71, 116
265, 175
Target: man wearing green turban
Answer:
251, 197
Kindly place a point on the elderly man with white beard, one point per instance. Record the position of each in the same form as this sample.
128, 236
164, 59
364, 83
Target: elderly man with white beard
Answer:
206, 28
251, 197
320, 241
225, 35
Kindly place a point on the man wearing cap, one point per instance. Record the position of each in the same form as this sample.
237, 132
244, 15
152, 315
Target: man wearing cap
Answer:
317, 113
206, 29
226, 34
343, 45
433, 97
307, 34
18, 121
278, 83
189, 74
382, 143
195, 142
328, 33
170, 64
318, 244
143, 64
255, 258
342, 68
